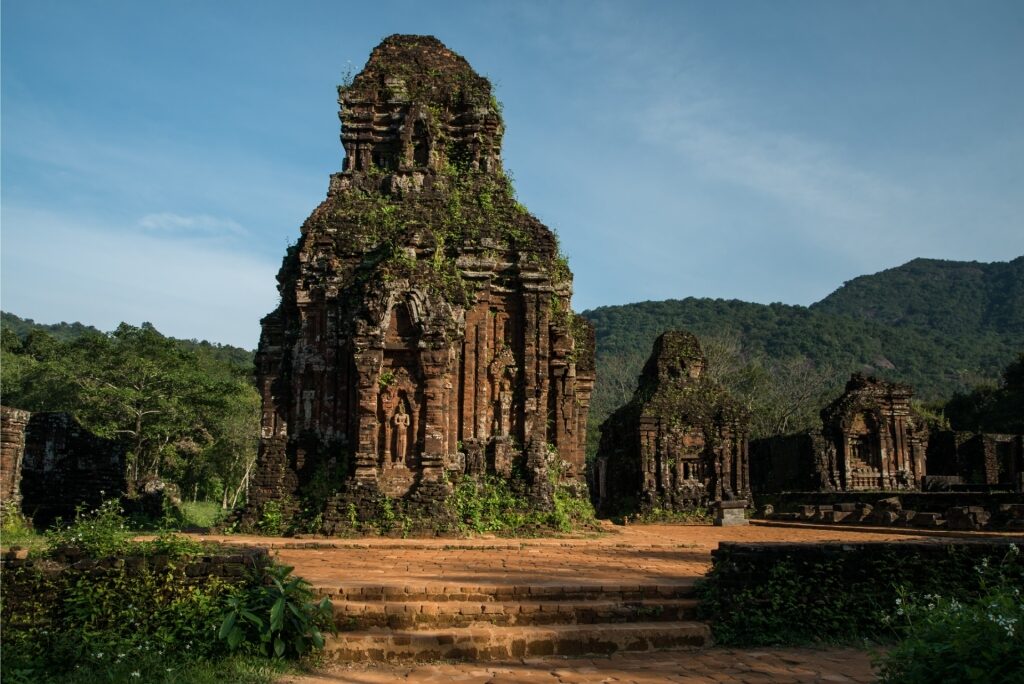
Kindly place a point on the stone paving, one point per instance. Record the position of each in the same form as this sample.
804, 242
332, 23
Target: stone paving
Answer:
709, 666
623, 556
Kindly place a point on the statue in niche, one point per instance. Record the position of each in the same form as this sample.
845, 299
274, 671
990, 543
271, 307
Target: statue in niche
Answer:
387, 400
401, 423
504, 407
501, 368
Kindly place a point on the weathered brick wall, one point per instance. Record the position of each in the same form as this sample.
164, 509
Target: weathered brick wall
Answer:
12, 451
784, 463
65, 466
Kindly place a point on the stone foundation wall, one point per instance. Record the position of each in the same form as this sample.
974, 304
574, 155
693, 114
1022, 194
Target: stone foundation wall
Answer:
934, 510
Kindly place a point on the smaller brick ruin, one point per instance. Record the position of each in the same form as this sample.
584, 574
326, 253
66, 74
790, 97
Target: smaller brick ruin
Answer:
870, 439
970, 459
680, 443
61, 465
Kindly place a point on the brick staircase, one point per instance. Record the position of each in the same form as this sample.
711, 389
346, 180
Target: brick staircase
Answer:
502, 622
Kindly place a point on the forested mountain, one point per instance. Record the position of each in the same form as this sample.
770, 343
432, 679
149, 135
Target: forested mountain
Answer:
954, 297
942, 326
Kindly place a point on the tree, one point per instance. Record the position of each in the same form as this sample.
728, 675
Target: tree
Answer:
185, 413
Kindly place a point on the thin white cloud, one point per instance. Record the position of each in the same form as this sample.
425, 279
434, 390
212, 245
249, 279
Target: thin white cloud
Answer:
802, 174
199, 224
62, 267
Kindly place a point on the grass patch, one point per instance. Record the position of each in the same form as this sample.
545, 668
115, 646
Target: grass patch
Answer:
203, 514
16, 531
153, 668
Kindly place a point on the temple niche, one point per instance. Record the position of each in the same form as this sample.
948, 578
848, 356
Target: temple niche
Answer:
424, 330
680, 443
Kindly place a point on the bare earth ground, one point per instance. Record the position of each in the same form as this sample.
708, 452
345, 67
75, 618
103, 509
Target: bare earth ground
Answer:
624, 556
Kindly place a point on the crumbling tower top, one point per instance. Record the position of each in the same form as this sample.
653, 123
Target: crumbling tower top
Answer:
418, 106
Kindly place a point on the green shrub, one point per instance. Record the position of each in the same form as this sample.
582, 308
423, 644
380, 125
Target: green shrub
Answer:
272, 519
943, 639
492, 504
107, 617
150, 667
276, 616
488, 505
99, 533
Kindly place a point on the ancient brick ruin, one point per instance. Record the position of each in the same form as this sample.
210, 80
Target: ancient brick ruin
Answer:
12, 451
51, 465
681, 442
966, 459
424, 329
870, 439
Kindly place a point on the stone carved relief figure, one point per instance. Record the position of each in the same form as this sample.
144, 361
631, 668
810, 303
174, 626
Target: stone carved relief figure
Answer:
505, 408
501, 370
401, 424
387, 400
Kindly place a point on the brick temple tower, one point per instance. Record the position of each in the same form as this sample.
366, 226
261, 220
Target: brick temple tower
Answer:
425, 328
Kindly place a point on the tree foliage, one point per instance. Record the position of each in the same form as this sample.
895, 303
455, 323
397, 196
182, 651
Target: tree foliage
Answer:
185, 412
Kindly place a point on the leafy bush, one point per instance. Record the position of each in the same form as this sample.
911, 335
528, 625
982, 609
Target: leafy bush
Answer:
492, 504
100, 533
488, 505
107, 618
272, 519
949, 641
125, 620
106, 532
276, 615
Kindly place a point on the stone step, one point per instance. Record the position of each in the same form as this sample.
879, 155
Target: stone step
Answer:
503, 643
504, 593
354, 615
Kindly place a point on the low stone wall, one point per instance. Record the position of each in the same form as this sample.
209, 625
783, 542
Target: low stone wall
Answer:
23, 576
786, 593
951, 510
739, 565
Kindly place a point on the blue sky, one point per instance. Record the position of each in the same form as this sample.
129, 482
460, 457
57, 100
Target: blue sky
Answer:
157, 157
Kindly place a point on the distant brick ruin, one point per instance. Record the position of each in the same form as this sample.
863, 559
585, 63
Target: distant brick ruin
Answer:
680, 443
51, 465
870, 439
425, 328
